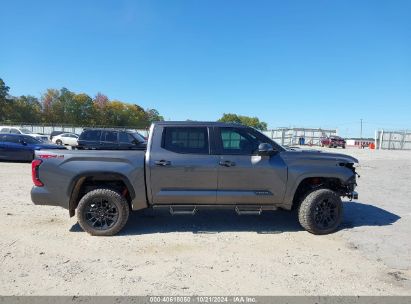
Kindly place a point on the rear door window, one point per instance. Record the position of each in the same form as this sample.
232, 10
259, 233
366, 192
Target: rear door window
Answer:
110, 136
12, 139
186, 140
5, 130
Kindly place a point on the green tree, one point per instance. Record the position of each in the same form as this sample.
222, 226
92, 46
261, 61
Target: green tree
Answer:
4, 92
48, 102
25, 109
153, 115
245, 120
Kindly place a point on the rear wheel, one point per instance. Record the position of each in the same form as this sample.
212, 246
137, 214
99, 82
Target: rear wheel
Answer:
59, 142
102, 212
321, 211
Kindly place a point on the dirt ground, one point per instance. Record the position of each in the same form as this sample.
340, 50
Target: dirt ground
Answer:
44, 252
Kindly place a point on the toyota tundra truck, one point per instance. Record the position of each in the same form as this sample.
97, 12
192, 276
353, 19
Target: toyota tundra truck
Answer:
189, 166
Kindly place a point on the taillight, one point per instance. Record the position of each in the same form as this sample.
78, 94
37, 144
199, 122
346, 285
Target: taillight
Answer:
35, 164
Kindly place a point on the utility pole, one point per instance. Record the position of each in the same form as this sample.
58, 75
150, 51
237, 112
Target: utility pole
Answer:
361, 129
361, 133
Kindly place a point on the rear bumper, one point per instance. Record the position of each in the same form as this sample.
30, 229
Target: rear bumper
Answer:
41, 196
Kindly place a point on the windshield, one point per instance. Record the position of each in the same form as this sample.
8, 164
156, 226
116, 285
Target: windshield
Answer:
139, 137
26, 131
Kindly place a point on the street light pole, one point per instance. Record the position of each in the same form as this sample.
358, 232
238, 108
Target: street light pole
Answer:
361, 133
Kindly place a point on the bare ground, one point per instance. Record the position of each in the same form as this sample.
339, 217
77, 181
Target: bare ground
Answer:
44, 252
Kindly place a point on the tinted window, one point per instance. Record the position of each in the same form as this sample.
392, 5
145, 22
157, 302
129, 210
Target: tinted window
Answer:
186, 140
12, 139
30, 140
138, 136
5, 130
110, 136
126, 138
238, 141
91, 135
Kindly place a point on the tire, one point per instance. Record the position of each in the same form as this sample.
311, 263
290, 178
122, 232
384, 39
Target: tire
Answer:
321, 211
102, 212
59, 142
343, 146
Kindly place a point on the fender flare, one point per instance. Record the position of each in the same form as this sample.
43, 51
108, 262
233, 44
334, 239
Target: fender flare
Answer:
78, 180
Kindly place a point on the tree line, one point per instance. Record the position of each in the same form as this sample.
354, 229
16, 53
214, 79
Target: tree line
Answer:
66, 107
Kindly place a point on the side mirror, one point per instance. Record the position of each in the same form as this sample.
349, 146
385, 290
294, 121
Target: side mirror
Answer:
265, 149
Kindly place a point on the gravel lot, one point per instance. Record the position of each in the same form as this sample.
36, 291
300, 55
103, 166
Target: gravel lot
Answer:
44, 252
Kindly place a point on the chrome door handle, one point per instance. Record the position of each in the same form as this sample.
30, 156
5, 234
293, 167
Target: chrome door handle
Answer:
162, 162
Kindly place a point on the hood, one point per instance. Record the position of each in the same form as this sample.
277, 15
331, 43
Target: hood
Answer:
315, 155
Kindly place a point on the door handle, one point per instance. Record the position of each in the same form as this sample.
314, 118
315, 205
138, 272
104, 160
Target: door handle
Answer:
162, 162
227, 163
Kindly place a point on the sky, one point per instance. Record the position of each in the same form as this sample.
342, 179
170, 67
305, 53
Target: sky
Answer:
314, 63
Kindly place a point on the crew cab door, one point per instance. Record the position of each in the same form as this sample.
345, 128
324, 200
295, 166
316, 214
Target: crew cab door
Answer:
243, 176
181, 169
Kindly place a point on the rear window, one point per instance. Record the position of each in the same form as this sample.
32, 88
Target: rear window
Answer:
14, 131
186, 139
91, 135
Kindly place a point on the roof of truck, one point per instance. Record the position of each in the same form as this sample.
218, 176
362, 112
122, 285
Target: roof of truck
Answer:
200, 123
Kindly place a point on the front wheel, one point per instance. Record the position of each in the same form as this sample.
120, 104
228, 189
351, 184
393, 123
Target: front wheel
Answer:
59, 142
102, 212
321, 211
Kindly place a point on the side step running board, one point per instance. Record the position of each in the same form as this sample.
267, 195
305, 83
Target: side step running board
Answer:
182, 210
248, 210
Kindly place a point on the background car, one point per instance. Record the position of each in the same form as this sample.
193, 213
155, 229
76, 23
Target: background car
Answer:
333, 142
68, 139
23, 131
55, 133
21, 147
111, 139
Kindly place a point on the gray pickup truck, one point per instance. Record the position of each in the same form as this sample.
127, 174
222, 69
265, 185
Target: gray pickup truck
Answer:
188, 166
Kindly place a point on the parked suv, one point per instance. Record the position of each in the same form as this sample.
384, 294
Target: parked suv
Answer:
333, 142
111, 139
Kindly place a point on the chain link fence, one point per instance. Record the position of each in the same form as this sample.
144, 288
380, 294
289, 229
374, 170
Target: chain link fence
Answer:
393, 140
296, 136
